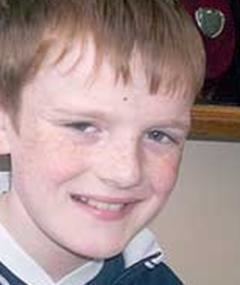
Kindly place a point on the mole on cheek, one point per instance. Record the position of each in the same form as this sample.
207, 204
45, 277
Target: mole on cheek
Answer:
125, 99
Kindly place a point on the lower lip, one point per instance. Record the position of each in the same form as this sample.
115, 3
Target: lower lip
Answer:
105, 215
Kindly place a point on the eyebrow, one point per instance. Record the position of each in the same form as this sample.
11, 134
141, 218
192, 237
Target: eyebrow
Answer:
94, 114
174, 124
81, 113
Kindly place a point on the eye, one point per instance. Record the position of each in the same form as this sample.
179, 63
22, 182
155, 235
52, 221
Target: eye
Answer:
83, 127
161, 137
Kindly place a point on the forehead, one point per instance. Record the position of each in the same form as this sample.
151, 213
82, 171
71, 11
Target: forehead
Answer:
75, 84
72, 88
81, 63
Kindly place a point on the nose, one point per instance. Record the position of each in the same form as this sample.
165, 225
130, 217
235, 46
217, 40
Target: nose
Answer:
120, 165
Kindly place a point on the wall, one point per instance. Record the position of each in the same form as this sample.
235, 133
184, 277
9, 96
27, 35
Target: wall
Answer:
200, 227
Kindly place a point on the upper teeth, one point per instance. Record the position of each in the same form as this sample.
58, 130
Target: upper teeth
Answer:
101, 205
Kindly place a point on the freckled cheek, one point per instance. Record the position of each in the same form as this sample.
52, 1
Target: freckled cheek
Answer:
62, 163
163, 174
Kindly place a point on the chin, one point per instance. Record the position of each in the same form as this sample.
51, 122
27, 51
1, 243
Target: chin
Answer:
101, 253
99, 250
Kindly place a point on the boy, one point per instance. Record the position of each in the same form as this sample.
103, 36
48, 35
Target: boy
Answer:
95, 110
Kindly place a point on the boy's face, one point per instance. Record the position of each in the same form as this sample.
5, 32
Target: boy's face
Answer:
94, 161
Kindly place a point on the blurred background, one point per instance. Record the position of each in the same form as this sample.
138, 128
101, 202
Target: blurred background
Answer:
200, 226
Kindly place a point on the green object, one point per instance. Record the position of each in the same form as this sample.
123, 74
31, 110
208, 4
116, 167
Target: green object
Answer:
210, 21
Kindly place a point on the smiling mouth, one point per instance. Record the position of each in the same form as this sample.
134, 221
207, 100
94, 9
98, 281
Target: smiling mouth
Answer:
99, 205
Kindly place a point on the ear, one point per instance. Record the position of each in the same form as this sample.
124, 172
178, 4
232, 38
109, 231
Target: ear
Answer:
4, 143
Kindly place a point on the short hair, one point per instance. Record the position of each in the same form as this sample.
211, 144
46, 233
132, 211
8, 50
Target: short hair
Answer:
160, 31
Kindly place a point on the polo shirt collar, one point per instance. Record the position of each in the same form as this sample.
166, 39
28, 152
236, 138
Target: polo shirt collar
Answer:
26, 269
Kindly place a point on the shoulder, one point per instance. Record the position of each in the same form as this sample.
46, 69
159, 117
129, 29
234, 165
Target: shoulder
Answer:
164, 274
160, 274
145, 263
